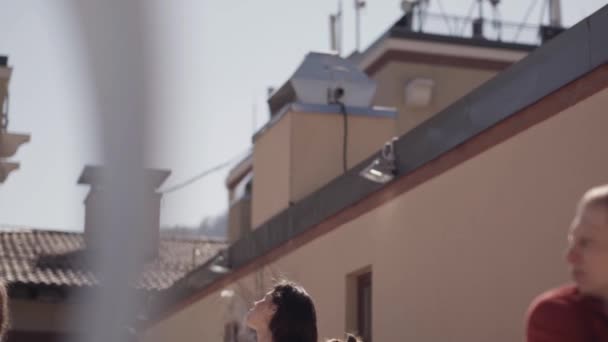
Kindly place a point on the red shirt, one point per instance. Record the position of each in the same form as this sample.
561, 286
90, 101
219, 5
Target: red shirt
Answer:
565, 315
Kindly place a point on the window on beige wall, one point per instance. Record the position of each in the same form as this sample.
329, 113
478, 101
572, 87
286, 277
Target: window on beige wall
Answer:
364, 306
359, 303
231, 332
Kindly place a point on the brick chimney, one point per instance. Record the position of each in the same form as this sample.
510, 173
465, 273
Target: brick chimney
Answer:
91, 175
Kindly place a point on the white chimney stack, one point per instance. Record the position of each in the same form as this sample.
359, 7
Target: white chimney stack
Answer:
92, 175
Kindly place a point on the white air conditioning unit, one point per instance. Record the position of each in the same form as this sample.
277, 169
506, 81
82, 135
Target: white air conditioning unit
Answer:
318, 80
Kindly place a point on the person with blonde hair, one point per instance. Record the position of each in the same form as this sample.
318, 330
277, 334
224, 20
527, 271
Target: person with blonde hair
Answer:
578, 312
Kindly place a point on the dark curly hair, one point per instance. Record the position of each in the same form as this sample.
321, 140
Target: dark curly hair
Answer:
295, 318
349, 338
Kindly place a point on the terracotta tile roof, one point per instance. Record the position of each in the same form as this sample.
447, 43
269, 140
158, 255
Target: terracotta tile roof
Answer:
44, 257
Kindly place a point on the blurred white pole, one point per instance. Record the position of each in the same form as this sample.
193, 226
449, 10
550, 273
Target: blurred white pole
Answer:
114, 34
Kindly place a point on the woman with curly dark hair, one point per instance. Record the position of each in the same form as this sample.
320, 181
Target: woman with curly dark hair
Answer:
285, 314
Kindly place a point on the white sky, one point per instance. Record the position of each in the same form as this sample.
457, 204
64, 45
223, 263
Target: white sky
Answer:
214, 58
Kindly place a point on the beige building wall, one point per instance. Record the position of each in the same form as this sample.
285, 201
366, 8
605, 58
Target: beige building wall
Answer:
457, 258
302, 152
239, 218
317, 147
270, 187
451, 84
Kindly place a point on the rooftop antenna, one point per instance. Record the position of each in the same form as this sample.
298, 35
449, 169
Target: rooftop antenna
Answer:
414, 9
422, 7
335, 30
496, 20
555, 13
359, 5
254, 116
340, 27
554, 27
478, 22
408, 7
333, 39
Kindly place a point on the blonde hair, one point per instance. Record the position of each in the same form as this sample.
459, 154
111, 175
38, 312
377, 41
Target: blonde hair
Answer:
597, 195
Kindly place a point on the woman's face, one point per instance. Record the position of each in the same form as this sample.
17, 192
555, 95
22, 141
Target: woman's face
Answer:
259, 316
